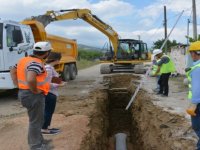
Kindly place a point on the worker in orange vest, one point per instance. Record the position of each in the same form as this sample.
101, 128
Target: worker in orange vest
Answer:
30, 76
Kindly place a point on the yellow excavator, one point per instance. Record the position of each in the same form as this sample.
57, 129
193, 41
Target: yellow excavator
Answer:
123, 54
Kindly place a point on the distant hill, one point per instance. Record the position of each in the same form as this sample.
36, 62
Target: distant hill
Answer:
86, 47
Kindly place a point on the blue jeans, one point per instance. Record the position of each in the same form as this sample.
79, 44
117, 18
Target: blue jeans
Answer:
50, 104
196, 124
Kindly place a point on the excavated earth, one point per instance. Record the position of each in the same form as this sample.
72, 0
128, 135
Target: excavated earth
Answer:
91, 110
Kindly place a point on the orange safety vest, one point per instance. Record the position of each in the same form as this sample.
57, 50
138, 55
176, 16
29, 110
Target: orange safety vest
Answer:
42, 81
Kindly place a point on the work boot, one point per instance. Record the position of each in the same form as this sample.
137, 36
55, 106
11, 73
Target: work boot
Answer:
43, 147
50, 132
156, 90
164, 95
158, 93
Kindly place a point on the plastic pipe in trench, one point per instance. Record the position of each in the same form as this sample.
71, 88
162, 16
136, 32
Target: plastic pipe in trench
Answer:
120, 139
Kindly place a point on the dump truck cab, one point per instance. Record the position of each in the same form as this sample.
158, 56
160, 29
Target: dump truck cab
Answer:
16, 41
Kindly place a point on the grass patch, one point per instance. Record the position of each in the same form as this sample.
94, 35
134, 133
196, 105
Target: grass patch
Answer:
83, 63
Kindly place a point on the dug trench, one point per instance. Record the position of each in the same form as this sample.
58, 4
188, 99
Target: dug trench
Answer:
147, 126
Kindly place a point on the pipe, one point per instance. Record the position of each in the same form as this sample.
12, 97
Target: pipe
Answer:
138, 88
120, 141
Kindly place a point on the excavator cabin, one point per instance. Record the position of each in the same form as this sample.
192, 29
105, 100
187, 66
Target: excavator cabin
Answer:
128, 49
130, 53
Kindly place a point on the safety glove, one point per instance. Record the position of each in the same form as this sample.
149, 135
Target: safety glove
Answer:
191, 109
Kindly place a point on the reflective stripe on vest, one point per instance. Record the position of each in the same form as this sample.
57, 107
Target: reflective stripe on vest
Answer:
188, 73
42, 80
168, 67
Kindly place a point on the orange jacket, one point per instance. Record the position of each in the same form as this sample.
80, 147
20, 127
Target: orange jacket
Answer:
42, 81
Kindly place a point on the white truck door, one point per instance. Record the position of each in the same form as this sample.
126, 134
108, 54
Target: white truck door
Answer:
11, 50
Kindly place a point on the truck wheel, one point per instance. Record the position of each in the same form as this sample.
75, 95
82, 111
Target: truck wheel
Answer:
105, 69
72, 71
66, 73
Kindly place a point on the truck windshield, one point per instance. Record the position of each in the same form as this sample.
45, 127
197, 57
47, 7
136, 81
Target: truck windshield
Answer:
1, 35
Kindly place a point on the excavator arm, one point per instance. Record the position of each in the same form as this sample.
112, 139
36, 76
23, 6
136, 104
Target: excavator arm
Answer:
85, 15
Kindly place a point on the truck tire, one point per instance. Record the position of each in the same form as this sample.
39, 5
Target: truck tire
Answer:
72, 71
139, 69
105, 69
66, 73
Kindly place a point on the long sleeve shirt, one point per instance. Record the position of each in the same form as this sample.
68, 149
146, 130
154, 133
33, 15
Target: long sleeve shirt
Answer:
52, 73
195, 75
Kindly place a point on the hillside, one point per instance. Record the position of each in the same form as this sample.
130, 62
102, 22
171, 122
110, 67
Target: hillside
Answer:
86, 47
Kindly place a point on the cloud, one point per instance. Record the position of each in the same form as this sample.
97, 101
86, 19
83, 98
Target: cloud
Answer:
155, 9
105, 10
150, 36
112, 8
128, 20
150, 14
83, 34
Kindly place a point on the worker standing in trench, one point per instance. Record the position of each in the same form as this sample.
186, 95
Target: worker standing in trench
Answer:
30, 76
193, 75
165, 68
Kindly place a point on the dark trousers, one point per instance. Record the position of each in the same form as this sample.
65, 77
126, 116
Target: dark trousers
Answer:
163, 82
196, 124
50, 104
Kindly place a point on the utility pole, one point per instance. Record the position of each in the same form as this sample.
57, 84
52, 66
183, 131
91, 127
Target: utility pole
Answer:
165, 27
188, 29
139, 37
194, 20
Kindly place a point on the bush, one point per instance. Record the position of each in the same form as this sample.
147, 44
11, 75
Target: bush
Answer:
89, 54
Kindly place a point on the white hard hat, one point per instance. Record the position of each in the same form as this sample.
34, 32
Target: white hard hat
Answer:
42, 46
157, 51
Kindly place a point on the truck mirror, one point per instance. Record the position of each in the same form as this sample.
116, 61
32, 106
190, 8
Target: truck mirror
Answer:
17, 36
11, 48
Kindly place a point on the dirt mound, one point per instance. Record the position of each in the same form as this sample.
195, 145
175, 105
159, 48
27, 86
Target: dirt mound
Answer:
155, 128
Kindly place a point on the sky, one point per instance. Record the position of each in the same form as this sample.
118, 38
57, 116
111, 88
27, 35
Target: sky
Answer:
129, 18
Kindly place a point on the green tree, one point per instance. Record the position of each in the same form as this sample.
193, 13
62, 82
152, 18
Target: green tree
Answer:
193, 40
170, 44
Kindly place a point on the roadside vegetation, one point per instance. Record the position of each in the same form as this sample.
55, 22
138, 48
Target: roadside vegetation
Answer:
157, 44
88, 58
